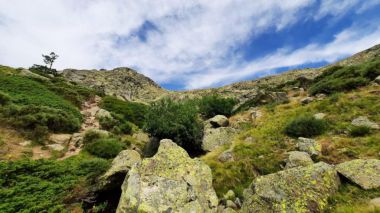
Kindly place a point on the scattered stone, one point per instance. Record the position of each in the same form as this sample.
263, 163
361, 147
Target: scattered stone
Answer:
76, 140
309, 145
226, 156
297, 159
26, 143
214, 138
231, 204
230, 195
238, 202
56, 147
219, 121
364, 121
377, 80
375, 203
320, 116
302, 189
365, 173
120, 167
60, 138
102, 113
307, 100
321, 96
170, 181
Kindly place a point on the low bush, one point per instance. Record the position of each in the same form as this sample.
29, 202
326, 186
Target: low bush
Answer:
212, 105
42, 185
105, 148
92, 135
359, 131
177, 121
4, 99
130, 111
43, 70
305, 126
116, 125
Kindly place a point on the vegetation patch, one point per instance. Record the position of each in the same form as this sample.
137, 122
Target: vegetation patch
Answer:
306, 126
105, 148
212, 105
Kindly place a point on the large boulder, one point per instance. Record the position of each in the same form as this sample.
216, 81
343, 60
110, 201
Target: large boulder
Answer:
364, 121
302, 189
60, 138
311, 146
214, 138
297, 159
365, 173
170, 181
219, 121
119, 169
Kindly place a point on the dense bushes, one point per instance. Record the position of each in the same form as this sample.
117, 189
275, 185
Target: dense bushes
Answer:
345, 78
105, 148
177, 121
41, 186
212, 105
305, 126
4, 99
116, 124
358, 131
130, 111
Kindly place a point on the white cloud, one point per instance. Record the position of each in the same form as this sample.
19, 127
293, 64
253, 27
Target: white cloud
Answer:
194, 41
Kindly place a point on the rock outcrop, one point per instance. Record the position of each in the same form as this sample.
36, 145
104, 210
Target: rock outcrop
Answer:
309, 145
219, 121
297, 159
170, 181
215, 138
303, 189
119, 169
364, 121
365, 173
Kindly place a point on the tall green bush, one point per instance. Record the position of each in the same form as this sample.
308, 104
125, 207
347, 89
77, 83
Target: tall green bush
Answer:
105, 148
177, 121
212, 105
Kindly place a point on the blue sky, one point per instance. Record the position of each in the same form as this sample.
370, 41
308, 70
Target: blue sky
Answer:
188, 44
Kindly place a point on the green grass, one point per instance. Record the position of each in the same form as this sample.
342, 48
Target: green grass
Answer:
45, 185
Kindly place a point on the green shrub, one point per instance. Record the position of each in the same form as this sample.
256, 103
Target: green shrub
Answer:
305, 126
130, 111
116, 124
212, 105
42, 185
92, 135
358, 131
105, 148
43, 70
177, 121
4, 99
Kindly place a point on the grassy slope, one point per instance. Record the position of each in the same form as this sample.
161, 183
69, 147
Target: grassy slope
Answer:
265, 152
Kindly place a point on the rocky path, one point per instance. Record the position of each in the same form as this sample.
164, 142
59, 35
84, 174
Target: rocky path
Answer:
72, 143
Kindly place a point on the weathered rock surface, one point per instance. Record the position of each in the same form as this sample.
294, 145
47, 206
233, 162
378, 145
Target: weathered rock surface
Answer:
219, 121
377, 80
56, 147
303, 189
119, 168
60, 138
364, 121
297, 159
309, 145
307, 100
320, 116
365, 173
170, 181
375, 203
226, 156
214, 138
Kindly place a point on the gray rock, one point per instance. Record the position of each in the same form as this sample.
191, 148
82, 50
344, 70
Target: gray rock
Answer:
56, 147
307, 100
364, 121
214, 138
375, 203
119, 169
219, 121
26, 143
226, 156
365, 173
231, 204
60, 138
297, 159
320, 116
377, 80
309, 145
302, 189
170, 181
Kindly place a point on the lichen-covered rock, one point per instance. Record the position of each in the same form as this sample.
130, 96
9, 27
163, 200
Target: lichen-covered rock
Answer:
309, 145
219, 121
297, 159
56, 147
170, 181
226, 156
375, 202
364, 121
307, 100
120, 167
214, 138
302, 189
60, 138
365, 173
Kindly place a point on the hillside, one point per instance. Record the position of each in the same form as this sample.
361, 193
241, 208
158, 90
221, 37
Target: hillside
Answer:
112, 141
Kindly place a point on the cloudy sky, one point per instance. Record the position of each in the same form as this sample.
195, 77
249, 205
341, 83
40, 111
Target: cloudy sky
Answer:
187, 44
